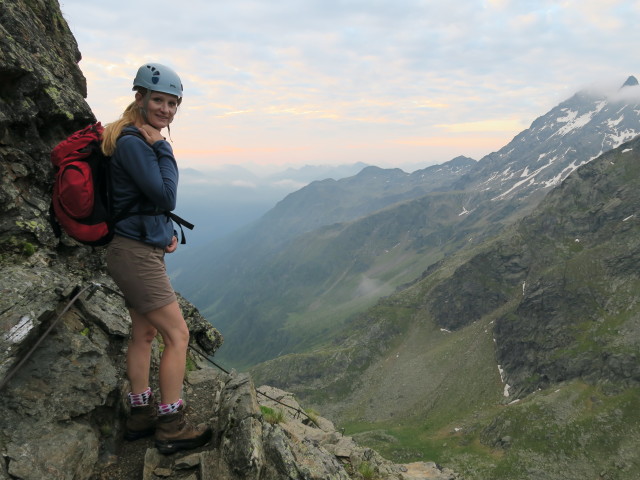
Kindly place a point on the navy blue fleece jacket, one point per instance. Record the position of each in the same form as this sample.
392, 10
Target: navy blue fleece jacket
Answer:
147, 174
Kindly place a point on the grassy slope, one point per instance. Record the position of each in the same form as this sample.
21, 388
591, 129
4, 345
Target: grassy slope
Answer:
414, 392
437, 396
571, 431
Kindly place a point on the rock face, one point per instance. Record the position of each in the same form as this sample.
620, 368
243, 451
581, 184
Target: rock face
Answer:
41, 99
64, 328
61, 364
577, 316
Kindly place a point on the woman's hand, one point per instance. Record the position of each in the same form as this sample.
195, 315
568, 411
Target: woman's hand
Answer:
150, 134
172, 246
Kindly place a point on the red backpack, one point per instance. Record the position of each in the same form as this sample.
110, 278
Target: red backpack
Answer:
81, 201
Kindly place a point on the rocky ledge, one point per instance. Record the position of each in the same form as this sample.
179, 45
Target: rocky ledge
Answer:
258, 434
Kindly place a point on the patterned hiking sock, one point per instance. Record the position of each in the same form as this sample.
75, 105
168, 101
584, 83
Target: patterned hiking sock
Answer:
140, 399
165, 408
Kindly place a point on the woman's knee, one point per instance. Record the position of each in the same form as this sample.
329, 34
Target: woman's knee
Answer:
171, 325
144, 335
150, 334
178, 336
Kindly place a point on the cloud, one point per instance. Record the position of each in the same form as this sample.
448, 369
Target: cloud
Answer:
292, 81
243, 184
290, 184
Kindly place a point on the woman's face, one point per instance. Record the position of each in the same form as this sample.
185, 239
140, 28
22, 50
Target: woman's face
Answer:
159, 109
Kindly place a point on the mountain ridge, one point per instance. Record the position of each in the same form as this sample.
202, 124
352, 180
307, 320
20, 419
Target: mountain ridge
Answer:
550, 324
466, 206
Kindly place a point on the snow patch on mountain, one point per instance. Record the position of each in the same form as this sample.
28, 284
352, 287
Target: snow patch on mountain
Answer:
615, 123
574, 122
567, 137
618, 138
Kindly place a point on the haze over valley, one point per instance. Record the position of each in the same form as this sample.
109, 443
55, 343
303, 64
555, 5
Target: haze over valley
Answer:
222, 200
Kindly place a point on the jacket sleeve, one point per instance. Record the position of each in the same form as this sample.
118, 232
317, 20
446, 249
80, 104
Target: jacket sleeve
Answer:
153, 168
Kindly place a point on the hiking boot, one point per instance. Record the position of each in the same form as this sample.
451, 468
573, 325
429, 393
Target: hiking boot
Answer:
141, 422
174, 432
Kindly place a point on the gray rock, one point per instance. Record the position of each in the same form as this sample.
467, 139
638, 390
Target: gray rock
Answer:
27, 303
240, 428
56, 452
106, 309
187, 462
152, 459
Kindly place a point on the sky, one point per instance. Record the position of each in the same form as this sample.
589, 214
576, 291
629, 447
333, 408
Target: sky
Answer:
392, 83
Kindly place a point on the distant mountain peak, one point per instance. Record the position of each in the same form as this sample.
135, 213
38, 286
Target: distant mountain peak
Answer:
631, 82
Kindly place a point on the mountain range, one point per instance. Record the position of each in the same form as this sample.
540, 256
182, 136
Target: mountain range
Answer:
480, 314
516, 358
220, 201
332, 248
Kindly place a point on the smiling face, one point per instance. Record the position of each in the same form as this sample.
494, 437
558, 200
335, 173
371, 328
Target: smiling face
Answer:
159, 108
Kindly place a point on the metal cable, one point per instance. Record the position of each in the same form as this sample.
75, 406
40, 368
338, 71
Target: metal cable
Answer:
297, 411
17, 367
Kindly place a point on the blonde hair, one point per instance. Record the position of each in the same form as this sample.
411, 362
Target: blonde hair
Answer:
131, 116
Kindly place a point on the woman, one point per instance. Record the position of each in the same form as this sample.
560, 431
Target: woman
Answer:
144, 173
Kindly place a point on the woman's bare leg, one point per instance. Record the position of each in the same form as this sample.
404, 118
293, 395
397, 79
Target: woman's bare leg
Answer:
139, 351
167, 320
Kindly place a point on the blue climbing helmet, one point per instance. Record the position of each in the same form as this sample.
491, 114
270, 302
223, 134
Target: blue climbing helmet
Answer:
158, 78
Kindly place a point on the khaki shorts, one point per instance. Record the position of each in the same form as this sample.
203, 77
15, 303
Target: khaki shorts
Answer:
140, 272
